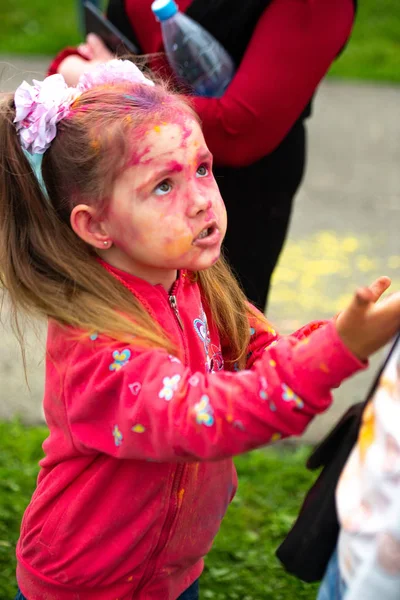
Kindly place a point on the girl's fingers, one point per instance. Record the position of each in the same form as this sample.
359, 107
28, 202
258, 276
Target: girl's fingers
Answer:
363, 297
390, 307
379, 286
372, 293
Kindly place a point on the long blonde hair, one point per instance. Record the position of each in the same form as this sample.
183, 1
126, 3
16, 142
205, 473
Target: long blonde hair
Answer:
46, 268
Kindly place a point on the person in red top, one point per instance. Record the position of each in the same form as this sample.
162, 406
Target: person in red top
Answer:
256, 132
158, 370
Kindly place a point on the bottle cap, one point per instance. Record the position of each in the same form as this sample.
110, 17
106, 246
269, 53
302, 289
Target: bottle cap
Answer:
164, 9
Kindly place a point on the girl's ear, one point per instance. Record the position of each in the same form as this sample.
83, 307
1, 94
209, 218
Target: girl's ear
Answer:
87, 225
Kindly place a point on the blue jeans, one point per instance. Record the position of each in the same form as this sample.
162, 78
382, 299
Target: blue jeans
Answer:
332, 586
191, 593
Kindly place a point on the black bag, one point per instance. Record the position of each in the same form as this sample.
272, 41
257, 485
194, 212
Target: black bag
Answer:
307, 548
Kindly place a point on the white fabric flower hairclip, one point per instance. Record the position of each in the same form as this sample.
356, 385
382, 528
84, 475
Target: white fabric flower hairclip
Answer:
39, 107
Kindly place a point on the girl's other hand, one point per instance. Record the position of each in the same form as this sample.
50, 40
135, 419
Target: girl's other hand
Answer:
365, 325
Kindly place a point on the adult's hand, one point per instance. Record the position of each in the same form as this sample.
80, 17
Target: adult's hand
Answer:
92, 53
95, 49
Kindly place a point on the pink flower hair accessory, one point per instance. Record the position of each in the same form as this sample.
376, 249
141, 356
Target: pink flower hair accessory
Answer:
39, 107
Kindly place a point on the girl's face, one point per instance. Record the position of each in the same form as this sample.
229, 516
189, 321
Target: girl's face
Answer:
166, 212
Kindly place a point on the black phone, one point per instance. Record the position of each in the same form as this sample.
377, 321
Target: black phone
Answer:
96, 22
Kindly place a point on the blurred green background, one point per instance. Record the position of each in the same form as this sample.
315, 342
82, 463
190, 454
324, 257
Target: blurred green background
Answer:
43, 27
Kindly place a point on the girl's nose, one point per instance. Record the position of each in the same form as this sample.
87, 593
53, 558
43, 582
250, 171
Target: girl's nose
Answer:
199, 203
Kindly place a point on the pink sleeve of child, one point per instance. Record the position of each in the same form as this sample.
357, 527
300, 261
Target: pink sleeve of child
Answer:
144, 404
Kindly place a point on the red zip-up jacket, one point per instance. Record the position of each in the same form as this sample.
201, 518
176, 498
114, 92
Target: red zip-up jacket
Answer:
137, 473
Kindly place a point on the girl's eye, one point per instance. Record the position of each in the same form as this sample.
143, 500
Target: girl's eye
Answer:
163, 188
202, 171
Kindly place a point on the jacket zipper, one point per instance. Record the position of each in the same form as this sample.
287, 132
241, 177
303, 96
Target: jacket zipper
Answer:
174, 305
174, 503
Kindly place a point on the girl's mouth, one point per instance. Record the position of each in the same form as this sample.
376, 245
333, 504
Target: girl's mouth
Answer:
208, 236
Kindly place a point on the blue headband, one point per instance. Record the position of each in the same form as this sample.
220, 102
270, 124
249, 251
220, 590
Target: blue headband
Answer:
35, 162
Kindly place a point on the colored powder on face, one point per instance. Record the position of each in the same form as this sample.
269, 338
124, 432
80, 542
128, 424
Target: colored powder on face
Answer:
175, 167
184, 122
178, 246
157, 129
137, 158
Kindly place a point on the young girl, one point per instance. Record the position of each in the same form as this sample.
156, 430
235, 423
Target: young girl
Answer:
157, 370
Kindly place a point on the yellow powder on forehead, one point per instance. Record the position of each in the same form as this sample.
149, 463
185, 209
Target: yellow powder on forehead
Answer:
128, 119
157, 128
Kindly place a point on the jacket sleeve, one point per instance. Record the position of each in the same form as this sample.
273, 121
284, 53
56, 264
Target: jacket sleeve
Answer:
291, 50
147, 405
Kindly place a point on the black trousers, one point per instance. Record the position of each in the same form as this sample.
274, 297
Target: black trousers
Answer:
259, 201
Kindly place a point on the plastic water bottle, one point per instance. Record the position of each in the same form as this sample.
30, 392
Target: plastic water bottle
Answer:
195, 55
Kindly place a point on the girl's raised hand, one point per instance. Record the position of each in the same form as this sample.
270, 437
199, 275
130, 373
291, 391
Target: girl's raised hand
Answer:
366, 325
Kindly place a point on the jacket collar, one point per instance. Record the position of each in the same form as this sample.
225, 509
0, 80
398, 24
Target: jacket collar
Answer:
149, 295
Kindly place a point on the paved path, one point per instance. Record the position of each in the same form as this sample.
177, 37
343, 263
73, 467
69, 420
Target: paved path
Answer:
344, 230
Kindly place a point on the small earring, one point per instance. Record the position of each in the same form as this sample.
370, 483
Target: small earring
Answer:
105, 243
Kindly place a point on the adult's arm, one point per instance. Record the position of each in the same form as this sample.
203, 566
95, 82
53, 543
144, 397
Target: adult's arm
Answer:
292, 48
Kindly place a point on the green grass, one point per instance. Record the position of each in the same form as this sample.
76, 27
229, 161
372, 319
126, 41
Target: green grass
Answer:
20, 450
43, 27
374, 49
241, 566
